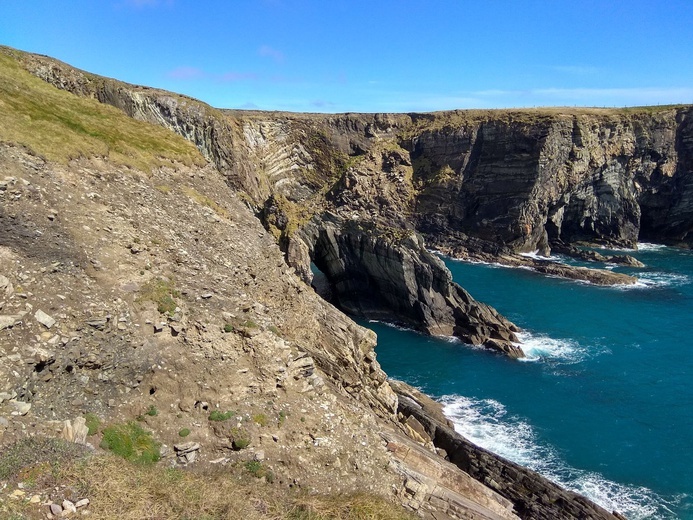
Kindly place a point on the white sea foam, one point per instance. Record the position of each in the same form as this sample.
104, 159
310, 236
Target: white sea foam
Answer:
649, 280
646, 246
536, 256
487, 424
394, 326
539, 347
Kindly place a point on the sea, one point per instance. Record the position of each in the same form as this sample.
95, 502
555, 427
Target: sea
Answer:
603, 403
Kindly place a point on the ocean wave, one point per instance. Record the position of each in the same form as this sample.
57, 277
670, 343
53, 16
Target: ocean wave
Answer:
536, 256
539, 347
486, 423
647, 246
657, 279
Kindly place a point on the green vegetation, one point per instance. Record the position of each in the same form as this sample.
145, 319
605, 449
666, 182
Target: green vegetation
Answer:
152, 411
241, 438
228, 327
184, 432
123, 489
249, 324
131, 442
162, 292
258, 470
216, 415
260, 419
37, 452
93, 423
61, 126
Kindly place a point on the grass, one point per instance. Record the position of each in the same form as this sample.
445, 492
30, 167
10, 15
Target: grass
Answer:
216, 415
260, 419
205, 201
240, 438
162, 292
131, 442
36, 451
93, 423
130, 491
60, 126
258, 470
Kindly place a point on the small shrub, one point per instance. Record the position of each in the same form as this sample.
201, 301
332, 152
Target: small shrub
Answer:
216, 415
258, 470
282, 417
260, 419
131, 442
152, 411
240, 438
92, 422
162, 292
249, 324
228, 328
184, 432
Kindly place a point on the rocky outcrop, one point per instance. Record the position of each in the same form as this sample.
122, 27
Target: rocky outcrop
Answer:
526, 179
533, 496
395, 279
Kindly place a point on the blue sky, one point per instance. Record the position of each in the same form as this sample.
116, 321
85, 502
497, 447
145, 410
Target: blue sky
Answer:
373, 56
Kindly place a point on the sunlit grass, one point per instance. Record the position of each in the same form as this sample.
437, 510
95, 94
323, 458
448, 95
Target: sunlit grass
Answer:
60, 126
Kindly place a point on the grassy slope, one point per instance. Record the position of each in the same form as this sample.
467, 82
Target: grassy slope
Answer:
131, 491
59, 126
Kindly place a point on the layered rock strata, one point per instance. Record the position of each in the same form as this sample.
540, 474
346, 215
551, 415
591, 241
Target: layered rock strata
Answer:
533, 496
375, 277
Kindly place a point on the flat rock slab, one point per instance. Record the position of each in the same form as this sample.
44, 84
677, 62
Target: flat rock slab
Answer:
44, 319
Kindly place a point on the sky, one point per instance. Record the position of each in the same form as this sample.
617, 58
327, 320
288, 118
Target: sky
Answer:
373, 56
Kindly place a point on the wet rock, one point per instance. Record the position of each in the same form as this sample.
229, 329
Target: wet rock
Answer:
522, 487
378, 276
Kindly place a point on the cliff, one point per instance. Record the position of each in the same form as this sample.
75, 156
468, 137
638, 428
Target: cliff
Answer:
603, 176
177, 276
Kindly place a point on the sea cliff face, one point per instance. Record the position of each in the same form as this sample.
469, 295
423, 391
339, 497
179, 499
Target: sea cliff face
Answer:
361, 197
608, 177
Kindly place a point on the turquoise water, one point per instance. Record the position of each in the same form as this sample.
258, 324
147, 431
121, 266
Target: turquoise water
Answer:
603, 406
